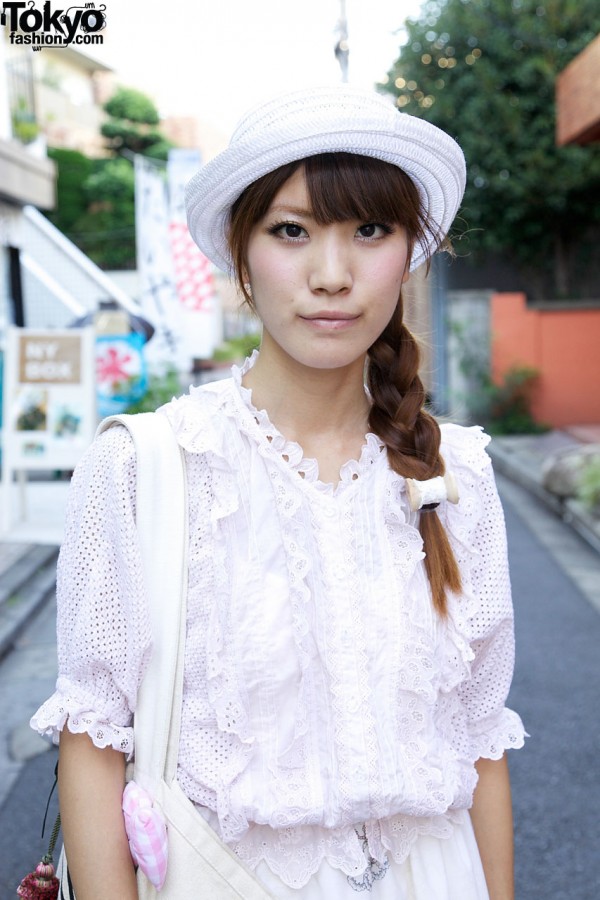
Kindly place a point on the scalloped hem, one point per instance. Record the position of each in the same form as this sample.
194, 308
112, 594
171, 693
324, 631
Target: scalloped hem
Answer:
340, 865
509, 734
295, 854
448, 867
57, 712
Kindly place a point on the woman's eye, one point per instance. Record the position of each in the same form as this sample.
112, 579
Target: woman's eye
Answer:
288, 230
373, 230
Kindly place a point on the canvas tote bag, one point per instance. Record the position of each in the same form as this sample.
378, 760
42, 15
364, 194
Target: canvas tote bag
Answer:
199, 863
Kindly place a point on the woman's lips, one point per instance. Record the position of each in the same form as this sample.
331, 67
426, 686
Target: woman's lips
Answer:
331, 321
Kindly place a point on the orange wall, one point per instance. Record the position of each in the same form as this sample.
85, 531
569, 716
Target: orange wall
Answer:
563, 345
578, 98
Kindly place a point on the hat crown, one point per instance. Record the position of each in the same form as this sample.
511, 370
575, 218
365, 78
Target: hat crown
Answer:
337, 106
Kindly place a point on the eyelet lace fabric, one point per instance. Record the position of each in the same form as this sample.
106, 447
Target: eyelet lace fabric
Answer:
322, 693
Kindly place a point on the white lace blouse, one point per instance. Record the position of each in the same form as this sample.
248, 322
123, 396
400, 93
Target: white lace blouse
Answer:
321, 690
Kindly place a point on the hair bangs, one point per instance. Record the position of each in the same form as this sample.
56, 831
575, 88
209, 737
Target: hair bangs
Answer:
344, 186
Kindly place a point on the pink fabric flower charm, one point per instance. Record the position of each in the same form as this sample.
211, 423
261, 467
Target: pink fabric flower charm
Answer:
146, 833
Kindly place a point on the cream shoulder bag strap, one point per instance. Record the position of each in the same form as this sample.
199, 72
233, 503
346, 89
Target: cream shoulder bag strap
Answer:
199, 863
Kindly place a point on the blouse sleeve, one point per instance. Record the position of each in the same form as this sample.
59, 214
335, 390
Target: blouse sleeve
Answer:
103, 630
484, 613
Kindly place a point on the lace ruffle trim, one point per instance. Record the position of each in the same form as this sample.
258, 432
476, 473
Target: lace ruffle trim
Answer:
194, 426
397, 834
506, 732
464, 453
295, 854
235, 400
193, 423
60, 710
292, 453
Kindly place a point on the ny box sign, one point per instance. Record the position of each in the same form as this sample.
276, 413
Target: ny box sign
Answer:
49, 398
49, 360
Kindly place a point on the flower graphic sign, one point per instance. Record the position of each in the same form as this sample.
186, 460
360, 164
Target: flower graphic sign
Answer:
121, 375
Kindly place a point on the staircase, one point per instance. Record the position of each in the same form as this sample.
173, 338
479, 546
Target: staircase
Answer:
27, 580
60, 283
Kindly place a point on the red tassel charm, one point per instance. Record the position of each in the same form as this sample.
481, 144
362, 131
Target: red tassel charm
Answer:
41, 884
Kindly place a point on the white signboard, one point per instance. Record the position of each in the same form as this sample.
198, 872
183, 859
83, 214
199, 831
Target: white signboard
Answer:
49, 408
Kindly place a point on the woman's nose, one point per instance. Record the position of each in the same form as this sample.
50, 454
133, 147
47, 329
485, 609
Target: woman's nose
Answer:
330, 265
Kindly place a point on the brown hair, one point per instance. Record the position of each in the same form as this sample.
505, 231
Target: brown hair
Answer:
344, 186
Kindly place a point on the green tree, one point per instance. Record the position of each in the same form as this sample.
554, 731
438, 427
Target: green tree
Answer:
96, 206
131, 125
106, 230
127, 103
71, 200
485, 71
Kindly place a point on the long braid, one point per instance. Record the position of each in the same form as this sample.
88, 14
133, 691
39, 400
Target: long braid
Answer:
412, 438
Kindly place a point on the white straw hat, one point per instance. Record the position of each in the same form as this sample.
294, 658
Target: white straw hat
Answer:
330, 119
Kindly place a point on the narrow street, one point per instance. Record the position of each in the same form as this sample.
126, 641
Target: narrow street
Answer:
556, 789
27, 677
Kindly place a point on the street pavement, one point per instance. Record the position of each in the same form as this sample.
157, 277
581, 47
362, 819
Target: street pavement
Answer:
523, 458
27, 677
32, 512
556, 790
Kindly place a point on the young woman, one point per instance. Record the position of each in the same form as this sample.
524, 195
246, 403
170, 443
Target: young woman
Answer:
349, 639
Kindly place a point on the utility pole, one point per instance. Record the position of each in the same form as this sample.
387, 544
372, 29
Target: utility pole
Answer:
342, 48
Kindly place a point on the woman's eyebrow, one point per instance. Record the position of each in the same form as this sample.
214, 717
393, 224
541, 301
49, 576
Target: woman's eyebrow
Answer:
292, 211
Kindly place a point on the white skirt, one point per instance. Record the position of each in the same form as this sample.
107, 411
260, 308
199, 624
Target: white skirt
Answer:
436, 869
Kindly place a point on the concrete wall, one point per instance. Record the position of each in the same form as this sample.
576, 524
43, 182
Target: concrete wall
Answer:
468, 349
24, 178
563, 344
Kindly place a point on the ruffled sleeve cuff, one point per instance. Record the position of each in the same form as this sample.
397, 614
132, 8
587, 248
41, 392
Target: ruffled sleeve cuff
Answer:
63, 709
491, 737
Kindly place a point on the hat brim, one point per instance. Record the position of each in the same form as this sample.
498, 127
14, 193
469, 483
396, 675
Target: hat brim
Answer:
347, 121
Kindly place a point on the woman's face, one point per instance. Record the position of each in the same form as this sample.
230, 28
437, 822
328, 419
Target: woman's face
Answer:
324, 293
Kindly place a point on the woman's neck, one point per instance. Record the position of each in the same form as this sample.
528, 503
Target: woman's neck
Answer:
307, 404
